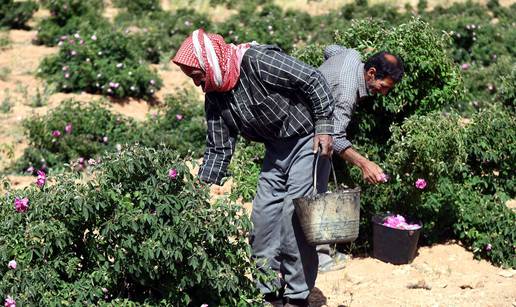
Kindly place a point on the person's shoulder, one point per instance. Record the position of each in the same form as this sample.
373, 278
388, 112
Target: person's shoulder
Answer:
340, 51
262, 50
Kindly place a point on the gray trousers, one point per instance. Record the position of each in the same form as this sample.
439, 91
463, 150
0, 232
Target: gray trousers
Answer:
277, 240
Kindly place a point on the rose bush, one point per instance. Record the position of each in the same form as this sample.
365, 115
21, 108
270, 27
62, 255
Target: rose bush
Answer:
68, 17
15, 14
128, 235
106, 62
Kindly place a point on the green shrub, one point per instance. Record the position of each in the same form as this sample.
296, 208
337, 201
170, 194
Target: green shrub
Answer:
138, 7
484, 84
132, 234
94, 130
106, 62
476, 37
245, 168
431, 80
68, 17
490, 140
484, 224
160, 33
271, 25
428, 147
51, 33
507, 91
180, 125
467, 171
14, 15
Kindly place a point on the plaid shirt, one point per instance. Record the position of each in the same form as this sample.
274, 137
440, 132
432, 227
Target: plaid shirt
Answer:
276, 97
344, 72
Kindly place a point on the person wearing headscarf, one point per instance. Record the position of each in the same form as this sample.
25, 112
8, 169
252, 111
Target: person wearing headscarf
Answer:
264, 95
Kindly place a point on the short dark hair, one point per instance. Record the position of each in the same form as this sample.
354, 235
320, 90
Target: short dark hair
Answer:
386, 67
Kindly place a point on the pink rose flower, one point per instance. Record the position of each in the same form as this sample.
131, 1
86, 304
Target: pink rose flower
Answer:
21, 205
41, 180
68, 128
465, 66
172, 173
399, 222
420, 183
10, 302
12, 265
489, 247
383, 177
179, 116
56, 133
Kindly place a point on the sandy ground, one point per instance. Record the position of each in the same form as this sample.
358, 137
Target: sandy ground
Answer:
441, 275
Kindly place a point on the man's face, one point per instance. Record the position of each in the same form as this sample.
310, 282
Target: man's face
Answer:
198, 76
382, 86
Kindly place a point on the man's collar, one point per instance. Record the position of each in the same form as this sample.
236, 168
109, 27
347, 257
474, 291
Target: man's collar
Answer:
362, 87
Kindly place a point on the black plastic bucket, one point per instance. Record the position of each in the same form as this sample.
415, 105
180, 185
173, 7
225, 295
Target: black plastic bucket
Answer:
396, 246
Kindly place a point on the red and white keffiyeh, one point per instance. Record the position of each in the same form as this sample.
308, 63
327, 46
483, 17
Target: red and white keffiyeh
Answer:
220, 61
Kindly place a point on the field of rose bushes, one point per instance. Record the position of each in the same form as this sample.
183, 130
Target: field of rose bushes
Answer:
114, 216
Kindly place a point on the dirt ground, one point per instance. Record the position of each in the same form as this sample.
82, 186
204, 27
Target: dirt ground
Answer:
441, 275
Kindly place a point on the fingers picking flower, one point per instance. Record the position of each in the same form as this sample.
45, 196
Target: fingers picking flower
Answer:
383, 177
12, 264
420, 183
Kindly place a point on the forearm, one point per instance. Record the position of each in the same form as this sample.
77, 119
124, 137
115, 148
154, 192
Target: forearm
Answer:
354, 157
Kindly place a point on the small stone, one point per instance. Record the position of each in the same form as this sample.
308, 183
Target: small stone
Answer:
507, 273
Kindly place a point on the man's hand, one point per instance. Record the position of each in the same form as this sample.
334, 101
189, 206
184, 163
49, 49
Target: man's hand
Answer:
372, 173
326, 143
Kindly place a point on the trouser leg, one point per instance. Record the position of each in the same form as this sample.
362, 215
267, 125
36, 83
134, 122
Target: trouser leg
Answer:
299, 264
277, 240
266, 217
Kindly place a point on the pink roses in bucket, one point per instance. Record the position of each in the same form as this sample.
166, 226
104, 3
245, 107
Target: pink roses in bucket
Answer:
399, 222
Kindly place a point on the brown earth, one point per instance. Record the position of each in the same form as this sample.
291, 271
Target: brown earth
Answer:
441, 275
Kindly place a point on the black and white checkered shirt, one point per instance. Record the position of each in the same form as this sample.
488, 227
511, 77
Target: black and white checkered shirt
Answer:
276, 97
344, 72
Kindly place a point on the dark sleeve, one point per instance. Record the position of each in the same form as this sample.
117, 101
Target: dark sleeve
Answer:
284, 72
220, 145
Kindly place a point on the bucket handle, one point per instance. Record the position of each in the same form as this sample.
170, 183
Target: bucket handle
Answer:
315, 171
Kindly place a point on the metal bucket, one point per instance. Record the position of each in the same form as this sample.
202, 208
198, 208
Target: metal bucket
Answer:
331, 217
